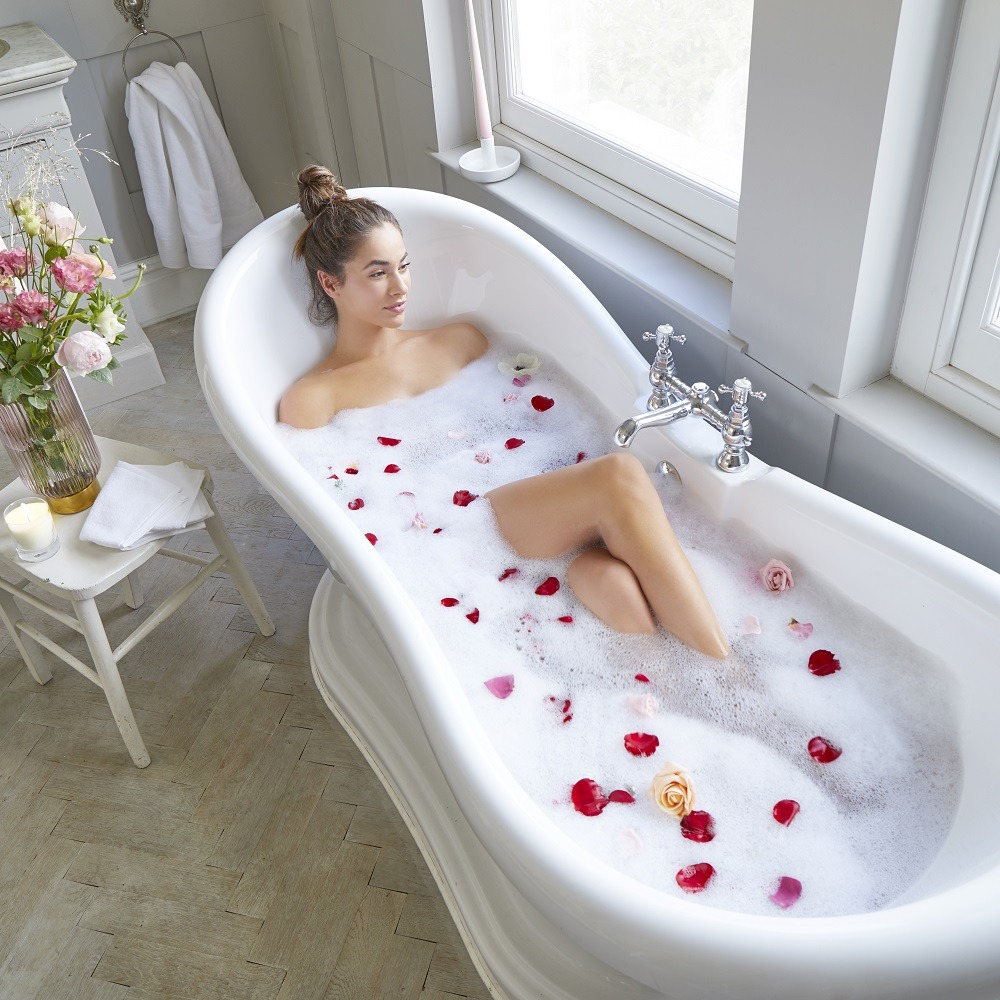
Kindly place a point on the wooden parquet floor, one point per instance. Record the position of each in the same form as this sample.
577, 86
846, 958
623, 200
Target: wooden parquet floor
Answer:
257, 856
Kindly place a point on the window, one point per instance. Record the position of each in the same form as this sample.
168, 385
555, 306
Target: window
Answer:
650, 95
949, 340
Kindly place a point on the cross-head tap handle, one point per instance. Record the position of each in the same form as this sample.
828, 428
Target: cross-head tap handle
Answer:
742, 390
664, 334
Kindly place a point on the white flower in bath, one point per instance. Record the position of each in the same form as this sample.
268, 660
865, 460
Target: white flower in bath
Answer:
523, 364
107, 324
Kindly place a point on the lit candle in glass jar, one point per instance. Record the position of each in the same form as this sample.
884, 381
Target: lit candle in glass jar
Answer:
30, 524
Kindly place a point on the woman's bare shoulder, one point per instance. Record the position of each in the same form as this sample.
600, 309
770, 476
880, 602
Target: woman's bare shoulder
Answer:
464, 337
310, 402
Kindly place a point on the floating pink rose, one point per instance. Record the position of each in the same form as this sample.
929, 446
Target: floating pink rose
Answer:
788, 892
83, 352
34, 307
777, 577
500, 687
15, 262
72, 275
10, 318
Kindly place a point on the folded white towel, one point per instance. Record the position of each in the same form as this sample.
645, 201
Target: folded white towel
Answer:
139, 503
195, 193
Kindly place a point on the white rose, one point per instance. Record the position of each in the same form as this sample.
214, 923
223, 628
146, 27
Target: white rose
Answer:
83, 352
671, 790
107, 325
59, 224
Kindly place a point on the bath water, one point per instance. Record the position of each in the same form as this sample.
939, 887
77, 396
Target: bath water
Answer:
869, 822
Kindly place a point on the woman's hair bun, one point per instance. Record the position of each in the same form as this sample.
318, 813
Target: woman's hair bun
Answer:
317, 188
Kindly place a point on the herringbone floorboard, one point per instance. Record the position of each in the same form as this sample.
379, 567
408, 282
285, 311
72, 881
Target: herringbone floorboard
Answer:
257, 856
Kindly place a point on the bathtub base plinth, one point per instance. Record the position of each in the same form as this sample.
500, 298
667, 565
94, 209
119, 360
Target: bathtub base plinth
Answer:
518, 952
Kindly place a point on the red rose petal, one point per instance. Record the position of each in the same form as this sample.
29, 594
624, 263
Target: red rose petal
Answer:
356, 504
391, 468
500, 686
785, 811
823, 662
580, 456
508, 573
449, 602
511, 443
437, 531
620, 795
567, 619
334, 476
351, 471
388, 442
642, 678
371, 538
588, 798
548, 588
463, 498
823, 751
694, 878
542, 403
698, 826
473, 615
641, 744
788, 892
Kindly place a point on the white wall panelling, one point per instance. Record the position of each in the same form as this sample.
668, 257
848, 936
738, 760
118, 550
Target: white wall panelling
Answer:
362, 99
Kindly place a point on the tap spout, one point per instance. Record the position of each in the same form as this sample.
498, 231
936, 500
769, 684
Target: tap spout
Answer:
628, 429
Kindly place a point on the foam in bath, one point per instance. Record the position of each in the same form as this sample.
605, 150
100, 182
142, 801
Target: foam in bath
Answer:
869, 822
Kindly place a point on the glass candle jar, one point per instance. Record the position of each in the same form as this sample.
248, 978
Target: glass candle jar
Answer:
33, 529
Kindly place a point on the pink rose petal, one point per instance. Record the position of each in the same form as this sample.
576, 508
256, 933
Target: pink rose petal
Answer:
751, 625
788, 892
521, 380
456, 435
642, 704
511, 397
629, 842
483, 457
802, 629
501, 687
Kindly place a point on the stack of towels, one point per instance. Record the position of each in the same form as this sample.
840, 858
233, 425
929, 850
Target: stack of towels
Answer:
140, 503
195, 193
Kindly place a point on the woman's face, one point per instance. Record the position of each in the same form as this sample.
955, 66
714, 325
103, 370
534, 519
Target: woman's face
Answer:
375, 282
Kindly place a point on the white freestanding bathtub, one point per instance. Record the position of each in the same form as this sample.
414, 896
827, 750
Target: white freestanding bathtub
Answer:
541, 918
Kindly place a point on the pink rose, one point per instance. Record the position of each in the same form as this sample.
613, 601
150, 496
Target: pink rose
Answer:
100, 267
34, 307
10, 318
83, 352
15, 262
73, 275
777, 577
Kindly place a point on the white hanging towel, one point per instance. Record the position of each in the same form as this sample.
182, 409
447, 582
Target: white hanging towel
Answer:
195, 193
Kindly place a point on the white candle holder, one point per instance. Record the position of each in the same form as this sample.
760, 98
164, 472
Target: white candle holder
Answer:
32, 527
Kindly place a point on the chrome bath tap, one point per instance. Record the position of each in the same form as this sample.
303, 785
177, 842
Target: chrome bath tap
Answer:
672, 399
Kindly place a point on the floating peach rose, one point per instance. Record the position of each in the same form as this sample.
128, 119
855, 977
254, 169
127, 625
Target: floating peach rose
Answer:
777, 577
671, 790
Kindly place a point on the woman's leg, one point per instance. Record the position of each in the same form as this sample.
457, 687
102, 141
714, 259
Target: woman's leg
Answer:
612, 500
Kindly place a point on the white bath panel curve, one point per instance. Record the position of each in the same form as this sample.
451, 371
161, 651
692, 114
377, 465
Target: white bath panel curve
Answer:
542, 917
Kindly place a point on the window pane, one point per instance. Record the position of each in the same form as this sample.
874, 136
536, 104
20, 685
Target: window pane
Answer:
665, 78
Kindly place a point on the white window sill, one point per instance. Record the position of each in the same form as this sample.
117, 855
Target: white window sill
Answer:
945, 444
692, 290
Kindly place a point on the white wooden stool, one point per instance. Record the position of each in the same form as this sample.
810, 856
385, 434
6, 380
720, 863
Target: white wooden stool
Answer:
81, 571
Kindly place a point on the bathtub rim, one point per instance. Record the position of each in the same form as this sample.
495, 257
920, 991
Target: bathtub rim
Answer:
510, 833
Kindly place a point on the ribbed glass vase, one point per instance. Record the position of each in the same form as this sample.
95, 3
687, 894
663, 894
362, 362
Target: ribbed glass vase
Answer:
53, 450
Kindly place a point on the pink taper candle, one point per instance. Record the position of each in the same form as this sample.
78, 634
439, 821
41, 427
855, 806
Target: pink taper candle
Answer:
478, 81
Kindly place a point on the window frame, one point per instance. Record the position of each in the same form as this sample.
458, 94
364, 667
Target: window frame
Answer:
964, 173
691, 218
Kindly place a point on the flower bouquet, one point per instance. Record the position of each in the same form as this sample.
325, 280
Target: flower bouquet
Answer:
55, 313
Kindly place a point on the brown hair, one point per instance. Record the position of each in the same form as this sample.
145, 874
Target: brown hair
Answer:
336, 227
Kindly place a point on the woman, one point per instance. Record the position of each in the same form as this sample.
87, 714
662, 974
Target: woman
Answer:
632, 566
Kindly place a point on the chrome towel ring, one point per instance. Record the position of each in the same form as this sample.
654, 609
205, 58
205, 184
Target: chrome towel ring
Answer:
135, 11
